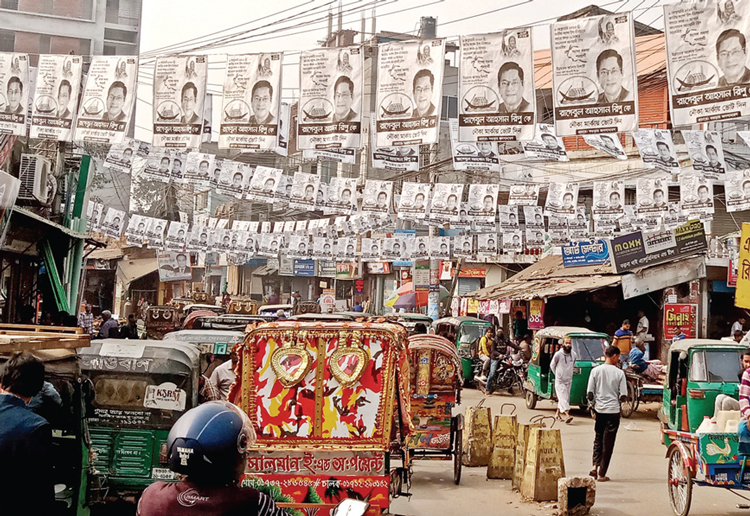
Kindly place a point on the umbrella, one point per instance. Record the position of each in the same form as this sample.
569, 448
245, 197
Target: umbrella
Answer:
411, 299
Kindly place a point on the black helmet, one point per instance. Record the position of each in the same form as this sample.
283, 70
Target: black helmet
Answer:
209, 442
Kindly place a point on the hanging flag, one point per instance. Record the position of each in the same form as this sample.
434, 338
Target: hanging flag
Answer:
179, 97
480, 155
706, 152
56, 97
14, 95
657, 149
545, 145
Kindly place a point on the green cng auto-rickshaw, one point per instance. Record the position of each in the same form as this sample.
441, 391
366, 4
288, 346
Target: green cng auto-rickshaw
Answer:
464, 332
540, 381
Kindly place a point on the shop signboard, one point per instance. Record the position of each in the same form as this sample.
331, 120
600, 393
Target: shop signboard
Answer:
327, 268
643, 248
346, 270
680, 317
742, 296
662, 276
304, 268
577, 254
286, 266
733, 245
503, 306
421, 277
378, 267
536, 314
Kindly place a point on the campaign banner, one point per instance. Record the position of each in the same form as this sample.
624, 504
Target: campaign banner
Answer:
486, 245
562, 199
179, 162
696, 194
534, 238
14, 95
420, 249
545, 145
174, 266
463, 246
376, 197
707, 60
483, 202
737, 190
578, 226
108, 99
496, 96
304, 191
558, 230
607, 143
606, 228
370, 249
536, 314
269, 245
176, 238
348, 156
524, 194
534, 217
394, 249
742, 295
679, 319
512, 241
113, 223
331, 92
179, 97
120, 156
234, 179
657, 149
508, 216
346, 249
578, 254
594, 77
440, 248
56, 97
609, 197
414, 199
299, 247
198, 169
250, 105
265, 184
158, 166
342, 196
480, 155
445, 203
409, 92
706, 152
651, 195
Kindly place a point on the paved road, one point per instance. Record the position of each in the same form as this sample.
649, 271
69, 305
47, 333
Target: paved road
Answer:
638, 473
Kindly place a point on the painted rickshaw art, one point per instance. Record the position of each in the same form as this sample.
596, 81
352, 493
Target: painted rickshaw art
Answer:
330, 405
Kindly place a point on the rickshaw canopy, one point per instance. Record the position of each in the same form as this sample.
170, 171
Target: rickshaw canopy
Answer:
134, 356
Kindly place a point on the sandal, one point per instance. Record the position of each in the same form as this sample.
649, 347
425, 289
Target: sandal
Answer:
594, 473
569, 420
603, 479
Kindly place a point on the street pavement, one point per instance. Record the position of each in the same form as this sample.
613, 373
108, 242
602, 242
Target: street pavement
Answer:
638, 472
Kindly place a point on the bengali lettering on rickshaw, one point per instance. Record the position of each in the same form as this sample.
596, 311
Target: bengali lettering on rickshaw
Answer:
365, 463
134, 365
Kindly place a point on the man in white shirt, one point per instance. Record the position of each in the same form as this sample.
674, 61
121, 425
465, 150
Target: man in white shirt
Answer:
738, 325
606, 389
223, 376
641, 331
562, 365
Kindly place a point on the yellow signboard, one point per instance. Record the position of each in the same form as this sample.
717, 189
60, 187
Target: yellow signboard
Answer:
742, 295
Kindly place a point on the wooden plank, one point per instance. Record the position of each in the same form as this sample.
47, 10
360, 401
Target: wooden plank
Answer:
36, 328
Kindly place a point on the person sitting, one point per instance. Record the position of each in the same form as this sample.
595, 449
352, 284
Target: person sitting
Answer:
526, 348
484, 349
637, 362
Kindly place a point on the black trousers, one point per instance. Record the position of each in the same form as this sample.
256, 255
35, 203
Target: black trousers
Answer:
605, 430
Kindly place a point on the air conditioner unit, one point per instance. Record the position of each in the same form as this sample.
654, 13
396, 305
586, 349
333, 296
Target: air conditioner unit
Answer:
33, 175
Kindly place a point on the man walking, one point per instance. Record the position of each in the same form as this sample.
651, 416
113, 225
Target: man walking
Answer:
86, 320
641, 331
606, 389
562, 366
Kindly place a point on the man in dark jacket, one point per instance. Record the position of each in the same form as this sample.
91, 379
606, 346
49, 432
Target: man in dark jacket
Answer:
25, 440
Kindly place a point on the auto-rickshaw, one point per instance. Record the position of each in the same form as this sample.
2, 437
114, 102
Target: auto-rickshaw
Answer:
214, 344
243, 305
464, 332
414, 323
141, 387
273, 309
540, 381
698, 371
307, 307
160, 320
330, 405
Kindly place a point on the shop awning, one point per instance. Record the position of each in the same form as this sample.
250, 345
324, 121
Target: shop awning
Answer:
110, 253
265, 270
131, 270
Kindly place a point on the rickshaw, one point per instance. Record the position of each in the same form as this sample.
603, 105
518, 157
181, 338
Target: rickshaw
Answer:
272, 309
464, 332
243, 305
330, 406
214, 344
140, 388
414, 323
540, 381
200, 296
435, 375
321, 317
698, 371
307, 307
160, 320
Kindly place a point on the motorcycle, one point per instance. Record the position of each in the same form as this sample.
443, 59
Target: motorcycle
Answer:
510, 374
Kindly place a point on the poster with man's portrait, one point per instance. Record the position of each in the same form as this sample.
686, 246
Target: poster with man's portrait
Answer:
304, 191
14, 93
265, 185
121, 155
706, 153
174, 266
409, 92
421, 248
56, 97
545, 145
605, 228
508, 218
707, 64
299, 247
158, 165
269, 245
179, 97
108, 99
594, 76
414, 200
483, 202
534, 238
322, 248
524, 194
94, 213
179, 162
737, 190
440, 248
496, 96
607, 143
558, 230
652, 195
394, 249
533, 217
155, 230
562, 199
346, 249
342, 196
674, 216
113, 223
250, 105
463, 246
657, 149
370, 249
234, 178
402, 158
609, 199
463, 222
512, 242
136, 227
376, 197
486, 245
446, 201
176, 238
198, 169
696, 194
578, 226
331, 92
480, 155
198, 238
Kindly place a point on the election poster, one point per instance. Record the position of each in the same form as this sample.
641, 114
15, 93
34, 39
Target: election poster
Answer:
136, 226
370, 249
496, 96
56, 97
609, 197
250, 105
299, 247
158, 166
512, 242
330, 103
376, 197
346, 249
322, 198
706, 152
534, 217
607, 143
440, 248
113, 223
283, 192
120, 156
94, 212
674, 216
403, 158
594, 75
14, 94
472, 155
342, 196
264, 184
232, 181
219, 240
420, 249
179, 161
707, 60
737, 190
562, 199
463, 246
483, 202
199, 166
409, 92
198, 238
285, 123
657, 149
414, 199
605, 228
651, 195
394, 249
304, 191
348, 156
486, 244
108, 99
446, 199
269, 245
524, 194
176, 238
508, 218
174, 266
322, 248
578, 226
179, 97
696, 194
534, 238
545, 145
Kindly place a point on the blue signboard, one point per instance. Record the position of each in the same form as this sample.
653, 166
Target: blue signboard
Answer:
578, 254
304, 267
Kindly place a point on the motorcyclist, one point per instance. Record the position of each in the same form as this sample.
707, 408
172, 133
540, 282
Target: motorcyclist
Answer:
499, 347
207, 445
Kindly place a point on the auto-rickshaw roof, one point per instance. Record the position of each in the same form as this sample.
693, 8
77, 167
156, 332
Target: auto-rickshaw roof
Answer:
203, 335
562, 331
58, 361
268, 308
412, 316
688, 344
162, 354
458, 320
288, 324
321, 317
202, 306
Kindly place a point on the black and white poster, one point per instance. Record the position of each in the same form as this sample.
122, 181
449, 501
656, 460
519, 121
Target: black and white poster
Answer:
421, 248
609, 198
737, 189
534, 217
137, 226
440, 248
179, 162
269, 245
562, 199
652, 195
524, 194
534, 238
463, 222
250, 106
486, 245
265, 183
558, 231
605, 228
594, 75
706, 153
674, 216
215, 172
331, 92
414, 200
234, 179
199, 167
496, 96
304, 191
299, 247
14, 94
376, 197
607, 143
94, 212
176, 238
322, 248
174, 266
158, 165
696, 194
508, 218
483, 202
247, 241
578, 226
58, 84
657, 149
285, 123
370, 249
409, 92
446, 200
342, 196
108, 99
394, 249
322, 197
120, 156
113, 223
283, 192
346, 249
463, 246
348, 156
179, 97
198, 239
545, 145
404, 158
473, 155
512, 242
220, 240
707, 60
155, 230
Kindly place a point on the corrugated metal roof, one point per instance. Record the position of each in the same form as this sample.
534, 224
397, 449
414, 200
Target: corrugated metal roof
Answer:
106, 254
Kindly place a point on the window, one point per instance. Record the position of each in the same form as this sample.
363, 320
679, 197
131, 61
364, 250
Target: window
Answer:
450, 108
9, 4
44, 43
715, 366
7, 41
125, 36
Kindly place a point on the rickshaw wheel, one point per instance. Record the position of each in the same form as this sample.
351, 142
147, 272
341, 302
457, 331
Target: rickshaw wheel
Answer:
679, 483
458, 450
531, 399
631, 404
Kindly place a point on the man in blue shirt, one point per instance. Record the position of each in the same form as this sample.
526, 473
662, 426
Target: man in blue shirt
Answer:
637, 360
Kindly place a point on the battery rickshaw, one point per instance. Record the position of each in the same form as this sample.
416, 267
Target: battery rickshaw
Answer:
463, 332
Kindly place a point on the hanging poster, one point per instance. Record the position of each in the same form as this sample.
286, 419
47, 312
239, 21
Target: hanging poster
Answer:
508, 218
179, 96
496, 96
199, 166
348, 156
346, 249
113, 223
578, 226
536, 314
56, 97
534, 238
120, 156
409, 92
250, 105
176, 236
285, 123
403, 158
558, 231
394, 249
674, 216
420, 249
680, 319
533, 215
742, 295
707, 60
696, 194
137, 226
179, 160
607, 143
264, 184
269, 245
446, 199
342, 196
651, 195
376, 197
299, 247
331, 92
562, 199
158, 166
463, 246
232, 179
486, 245
706, 152
512, 242
483, 202
606, 228
304, 191
545, 145
94, 211
463, 222
657, 149
524, 194
174, 267
413, 202
155, 230
322, 248
594, 75
370, 249
14, 93
440, 248
198, 238
737, 190
472, 155
322, 197
608, 199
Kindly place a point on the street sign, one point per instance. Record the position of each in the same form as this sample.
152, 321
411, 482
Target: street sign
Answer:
643, 249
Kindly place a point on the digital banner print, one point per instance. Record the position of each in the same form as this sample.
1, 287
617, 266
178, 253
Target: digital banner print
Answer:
562, 199
594, 75
114, 222
421, 248
176, 238
199, 167
414, 200
534, 238
376, 197
696, 194
440, 248
652, 195
545, 145
174, 266
409, 92
120, 156
472, 156
486, 244
496, 97
265, 184
108, 99
179, 98
304, 191
403, 158
707, 60
737, 190
608, 143
483, 202
56, 97
463, 246
534, 217
330, 104
657, 149
706, 152
446, 200
512, 242
250, 105
508, 218
609, 198
370, 249
342, 196
14, 93
524, 194
348, 156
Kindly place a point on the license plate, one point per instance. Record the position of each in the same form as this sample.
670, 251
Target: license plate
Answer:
162, 474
